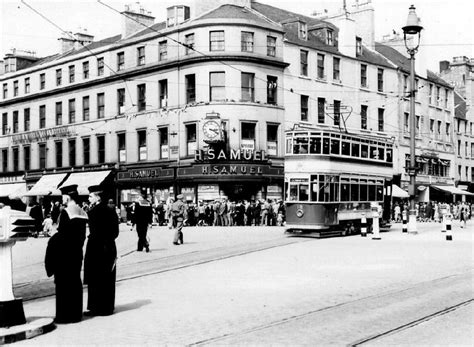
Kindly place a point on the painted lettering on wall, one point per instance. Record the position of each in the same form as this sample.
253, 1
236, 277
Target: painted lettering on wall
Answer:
231, 170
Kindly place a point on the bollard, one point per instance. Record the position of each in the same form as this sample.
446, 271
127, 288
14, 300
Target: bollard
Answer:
375, 222
404, 222
443, 224
449, 234
363, 226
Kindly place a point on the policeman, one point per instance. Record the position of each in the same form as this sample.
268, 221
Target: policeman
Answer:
177, 210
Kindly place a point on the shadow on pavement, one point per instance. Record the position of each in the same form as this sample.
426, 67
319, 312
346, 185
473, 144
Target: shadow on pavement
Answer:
131, 306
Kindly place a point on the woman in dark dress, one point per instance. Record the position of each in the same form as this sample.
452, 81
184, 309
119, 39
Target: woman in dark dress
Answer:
101, 255
64, 258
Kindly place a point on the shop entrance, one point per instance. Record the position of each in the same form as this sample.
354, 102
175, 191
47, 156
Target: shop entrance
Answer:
241, 191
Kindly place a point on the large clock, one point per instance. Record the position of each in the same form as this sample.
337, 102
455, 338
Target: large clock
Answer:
211, 130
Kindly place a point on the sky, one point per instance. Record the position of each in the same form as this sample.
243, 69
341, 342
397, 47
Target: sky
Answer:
447, 24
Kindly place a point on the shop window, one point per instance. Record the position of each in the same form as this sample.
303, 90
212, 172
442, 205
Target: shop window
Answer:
164, 149
122, 147
191, 139
142, 145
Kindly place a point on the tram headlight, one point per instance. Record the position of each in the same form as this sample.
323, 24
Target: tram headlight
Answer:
299, 213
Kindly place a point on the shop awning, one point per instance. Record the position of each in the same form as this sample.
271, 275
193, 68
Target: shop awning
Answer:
452, 190
86, 179
398, 192
47, 185
12, 190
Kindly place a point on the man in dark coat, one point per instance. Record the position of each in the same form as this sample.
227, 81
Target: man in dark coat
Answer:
64, 258
143, 217
101, 255
37, 214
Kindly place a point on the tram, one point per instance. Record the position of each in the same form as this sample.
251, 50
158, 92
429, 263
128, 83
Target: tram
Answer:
333, 177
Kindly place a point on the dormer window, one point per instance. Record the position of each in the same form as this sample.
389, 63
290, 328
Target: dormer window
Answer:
177, 15
358, 46
330, 37
302, 30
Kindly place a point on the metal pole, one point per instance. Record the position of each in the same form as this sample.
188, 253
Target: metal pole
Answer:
412, 213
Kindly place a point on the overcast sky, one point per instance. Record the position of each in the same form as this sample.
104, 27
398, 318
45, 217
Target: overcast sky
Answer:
448, 24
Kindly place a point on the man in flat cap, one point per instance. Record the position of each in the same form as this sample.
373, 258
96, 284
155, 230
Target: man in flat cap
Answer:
101, 255
64, 257
177, 209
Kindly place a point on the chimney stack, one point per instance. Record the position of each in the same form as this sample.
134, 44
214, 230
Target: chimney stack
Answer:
135, 18
82, 38
67, 42
443, 65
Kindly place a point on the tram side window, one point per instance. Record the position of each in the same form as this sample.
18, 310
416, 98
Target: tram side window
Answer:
289, 146
354, 189
363, 190
345, 148
293, 192
355, 149
381, 153
314, 191
300, 145
334, 188
315, 145
374, 153
364, 151
372, 190
345, 189
334, 146
325, 145
389, 155
304, 192
379, 192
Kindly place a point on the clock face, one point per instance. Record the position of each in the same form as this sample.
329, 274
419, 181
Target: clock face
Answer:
211, 129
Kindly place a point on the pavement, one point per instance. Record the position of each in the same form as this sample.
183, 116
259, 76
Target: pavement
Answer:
218, 300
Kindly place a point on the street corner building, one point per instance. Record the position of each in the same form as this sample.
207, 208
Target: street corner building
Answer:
199, 104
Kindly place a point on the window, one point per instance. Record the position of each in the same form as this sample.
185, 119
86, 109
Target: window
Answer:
336, 65
246, 41
141, 56
142, 151
302, 31
438, 96
15, 88
363, 116
5, 160
439, 127
26, 157
330, 37
42, 81
72, 111
163, 140
16, 159
446, 97
191, 139
26, 119
304, 63
15, 122
59, 77
381, 119
380, 80
320, 72
321, 110
5, 90
100, 149
120, 61
271, 46
59, 113
42, 155
417, 123
363, 76
100, 66
337, 112
466, 149
272, 90
85, 70
190, 88
217, 86
121, 100
85, 108
100, 105
358, 46
58, 147
430, 96
72, 73
189, 40
272, 139
432, 123
27, 85
162, 50
248, 136
448, 130
247, 86
5, 123
122, 147
163, 90
304, 107
42, 116
216, 41
406, 122
86, 150
72, 152
141, 91
459, 147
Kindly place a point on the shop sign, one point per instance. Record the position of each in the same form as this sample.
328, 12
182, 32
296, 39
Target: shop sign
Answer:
229, 170
43, 135
232, 155
145, 174
272, 148
12, 179
174, 149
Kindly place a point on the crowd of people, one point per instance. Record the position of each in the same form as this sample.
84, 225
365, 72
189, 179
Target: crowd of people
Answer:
220, 212
433, 211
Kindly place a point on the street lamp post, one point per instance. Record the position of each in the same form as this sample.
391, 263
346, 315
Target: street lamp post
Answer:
411, 36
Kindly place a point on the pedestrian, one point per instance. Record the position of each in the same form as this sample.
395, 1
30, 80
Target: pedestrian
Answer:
177, 210
36, 213
101, 255
55, 212
143, 218
48, 226
462, 215
64, 257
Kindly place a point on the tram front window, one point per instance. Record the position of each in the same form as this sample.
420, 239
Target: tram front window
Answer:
355, 149
364, 151
315, 145
363, 190
345, 148
372, 195
334, 146
325, 145
389, 155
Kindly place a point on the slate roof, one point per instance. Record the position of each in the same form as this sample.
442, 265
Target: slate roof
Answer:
459, 106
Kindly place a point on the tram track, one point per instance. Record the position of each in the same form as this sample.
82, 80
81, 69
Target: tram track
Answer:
339, 323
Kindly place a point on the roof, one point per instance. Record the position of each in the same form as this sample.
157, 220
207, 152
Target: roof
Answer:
459, 106
403, 63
